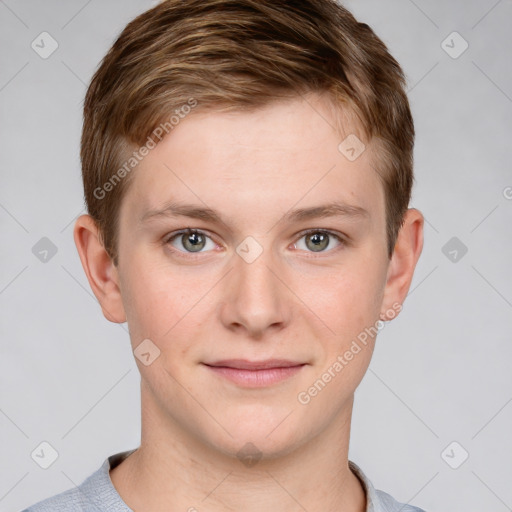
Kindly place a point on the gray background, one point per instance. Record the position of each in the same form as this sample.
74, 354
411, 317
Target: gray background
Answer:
441, 370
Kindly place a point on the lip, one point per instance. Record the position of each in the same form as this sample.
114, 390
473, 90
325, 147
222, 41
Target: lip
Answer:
245, 364
255, 373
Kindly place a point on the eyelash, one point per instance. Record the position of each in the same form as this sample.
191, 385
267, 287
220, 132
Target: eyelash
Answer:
343, 242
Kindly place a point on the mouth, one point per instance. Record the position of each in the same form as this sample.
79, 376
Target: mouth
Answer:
255, 373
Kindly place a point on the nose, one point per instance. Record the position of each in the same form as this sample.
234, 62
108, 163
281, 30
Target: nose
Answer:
255, 300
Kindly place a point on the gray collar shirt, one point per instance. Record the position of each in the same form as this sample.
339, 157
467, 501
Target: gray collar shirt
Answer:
98, 494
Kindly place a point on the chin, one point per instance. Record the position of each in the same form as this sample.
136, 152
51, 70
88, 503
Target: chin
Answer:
254, 436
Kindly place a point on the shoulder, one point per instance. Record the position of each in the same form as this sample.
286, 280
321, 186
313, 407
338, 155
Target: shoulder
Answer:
377, 500
67, 501
389, 504
95, 494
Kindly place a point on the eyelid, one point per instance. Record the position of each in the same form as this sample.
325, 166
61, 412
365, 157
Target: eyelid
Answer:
184, 231
335, 234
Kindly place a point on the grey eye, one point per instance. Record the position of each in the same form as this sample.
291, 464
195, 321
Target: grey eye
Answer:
317, 241
193, 242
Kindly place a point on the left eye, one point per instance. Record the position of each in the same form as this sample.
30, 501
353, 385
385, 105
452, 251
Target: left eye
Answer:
318, 241
191, 240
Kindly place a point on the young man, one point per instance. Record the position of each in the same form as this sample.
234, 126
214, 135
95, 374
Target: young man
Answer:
247, 168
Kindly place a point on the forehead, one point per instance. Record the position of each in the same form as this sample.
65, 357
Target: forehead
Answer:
286, 153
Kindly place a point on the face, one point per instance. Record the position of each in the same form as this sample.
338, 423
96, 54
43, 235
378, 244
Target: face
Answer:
270, 270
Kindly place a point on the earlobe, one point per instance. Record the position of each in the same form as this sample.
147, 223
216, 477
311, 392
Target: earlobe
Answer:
407, 251
99, 269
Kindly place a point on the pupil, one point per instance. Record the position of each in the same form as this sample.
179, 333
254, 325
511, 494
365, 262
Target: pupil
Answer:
193, 242
319, 241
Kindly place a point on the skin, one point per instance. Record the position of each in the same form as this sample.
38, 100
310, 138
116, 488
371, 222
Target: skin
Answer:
291, 302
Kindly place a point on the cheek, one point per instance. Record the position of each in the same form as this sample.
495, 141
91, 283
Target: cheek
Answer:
350, 306
346, 299
153, 303
164, 308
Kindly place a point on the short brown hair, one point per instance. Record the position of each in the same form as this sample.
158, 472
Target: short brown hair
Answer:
240, 55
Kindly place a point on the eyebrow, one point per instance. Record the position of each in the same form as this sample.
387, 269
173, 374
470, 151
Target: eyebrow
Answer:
335, 209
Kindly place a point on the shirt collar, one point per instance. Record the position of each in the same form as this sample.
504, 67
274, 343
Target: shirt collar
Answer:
372, 500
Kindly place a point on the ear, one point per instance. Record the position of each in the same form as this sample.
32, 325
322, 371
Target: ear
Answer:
403, 262
99, 269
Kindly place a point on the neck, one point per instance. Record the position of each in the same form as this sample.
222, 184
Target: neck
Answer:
174, 470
